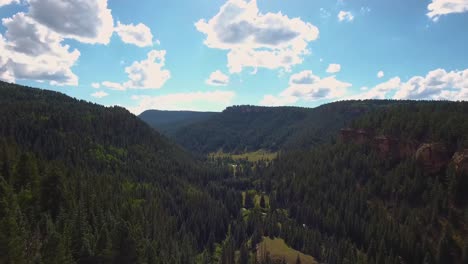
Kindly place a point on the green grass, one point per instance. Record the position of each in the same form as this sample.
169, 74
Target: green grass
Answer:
250, 156
278, 250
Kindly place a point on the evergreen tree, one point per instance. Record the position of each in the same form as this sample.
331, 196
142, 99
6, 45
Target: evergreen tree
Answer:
262, 202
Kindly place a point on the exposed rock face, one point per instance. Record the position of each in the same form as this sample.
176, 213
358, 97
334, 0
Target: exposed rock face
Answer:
460, 160
432, 156
363, 136
386, 145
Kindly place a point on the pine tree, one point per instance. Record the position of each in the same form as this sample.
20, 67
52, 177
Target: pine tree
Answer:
262, 201
244, 254
249, 201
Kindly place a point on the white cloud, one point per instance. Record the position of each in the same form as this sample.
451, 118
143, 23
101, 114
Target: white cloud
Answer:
380, 74
334, 68
31, 51
436, 85
8, 2
271, 100
88, 21
145, 74
345, 16
438, 8
96, 85
379, 91
253, 39
193, 101
99, 94
113, 86
218, 78
32, 46
139, 35
308, 87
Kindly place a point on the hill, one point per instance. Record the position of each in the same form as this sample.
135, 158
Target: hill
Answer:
167, 122
392, 189
241, 129
385, 182
83, 183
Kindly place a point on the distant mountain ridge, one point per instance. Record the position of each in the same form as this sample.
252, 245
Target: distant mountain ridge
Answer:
167, 122
245, 128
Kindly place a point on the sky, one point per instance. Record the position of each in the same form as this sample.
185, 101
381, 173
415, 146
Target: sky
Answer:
205, 55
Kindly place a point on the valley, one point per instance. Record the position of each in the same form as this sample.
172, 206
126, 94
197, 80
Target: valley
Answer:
372, 182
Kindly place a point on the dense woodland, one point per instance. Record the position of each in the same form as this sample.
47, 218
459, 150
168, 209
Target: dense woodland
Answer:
169, 122
83, 183
248, 128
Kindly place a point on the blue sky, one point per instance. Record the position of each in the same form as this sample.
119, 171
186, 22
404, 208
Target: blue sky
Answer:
209, 54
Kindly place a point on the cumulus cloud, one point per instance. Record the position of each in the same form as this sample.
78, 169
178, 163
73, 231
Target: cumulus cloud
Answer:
88, 21
33, 48
114, 86
99, 95
379, 91
308, 87
31, 51
380, 74
436, 85
438, 8
145, 74
334, 68
345, 16
8, 2
253, 39
218, 78
139, 35
96, 85
193, 101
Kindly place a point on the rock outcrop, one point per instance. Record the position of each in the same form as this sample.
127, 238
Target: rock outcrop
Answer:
386, 145
433, 157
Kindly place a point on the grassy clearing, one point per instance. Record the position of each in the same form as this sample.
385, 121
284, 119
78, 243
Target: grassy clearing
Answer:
278, 249
250, 156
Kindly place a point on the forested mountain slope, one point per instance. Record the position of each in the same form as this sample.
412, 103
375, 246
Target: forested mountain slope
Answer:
391, 190
168, 122
82, 183
249, 128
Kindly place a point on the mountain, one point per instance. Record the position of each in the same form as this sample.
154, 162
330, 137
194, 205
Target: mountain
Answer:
249, 128
167, 122
83, 183
392, 189
385, 182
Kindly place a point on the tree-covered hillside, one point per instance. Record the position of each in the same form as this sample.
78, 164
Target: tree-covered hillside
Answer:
82, 183
374, 198
168, 122
249, 128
